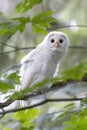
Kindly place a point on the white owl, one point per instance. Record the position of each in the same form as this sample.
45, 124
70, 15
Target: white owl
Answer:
42, 62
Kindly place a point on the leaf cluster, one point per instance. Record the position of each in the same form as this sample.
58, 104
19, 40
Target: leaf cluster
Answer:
77, 122
26, 118
8, 81
40, 22
25, 5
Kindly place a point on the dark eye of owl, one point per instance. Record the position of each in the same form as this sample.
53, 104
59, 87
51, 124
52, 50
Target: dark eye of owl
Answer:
52, 40
61, 41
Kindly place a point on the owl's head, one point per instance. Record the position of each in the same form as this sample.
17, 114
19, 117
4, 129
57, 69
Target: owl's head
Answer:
57, 41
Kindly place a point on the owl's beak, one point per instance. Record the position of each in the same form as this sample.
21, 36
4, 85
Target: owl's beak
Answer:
57, 45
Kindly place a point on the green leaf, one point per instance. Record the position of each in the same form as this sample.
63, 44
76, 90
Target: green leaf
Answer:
42, 16
20, 25
83, 113
25, 5
3, 31
13, 25
23, 20
77, 122
26, 117
39, 29
77, 72
14, 78
14, 29
42, 21
10, 79
28, 128
3, 28
4, 87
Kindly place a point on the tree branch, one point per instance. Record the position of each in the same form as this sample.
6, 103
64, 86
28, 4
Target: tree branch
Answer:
66, 26
41, 103
45, 100
55, 86
29, 48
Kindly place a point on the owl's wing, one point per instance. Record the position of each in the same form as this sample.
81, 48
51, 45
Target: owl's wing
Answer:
25, 62
57, 70
30, 69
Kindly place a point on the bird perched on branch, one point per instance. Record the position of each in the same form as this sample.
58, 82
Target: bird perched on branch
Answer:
42, 62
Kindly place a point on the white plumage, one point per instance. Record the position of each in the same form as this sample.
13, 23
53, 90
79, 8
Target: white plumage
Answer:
41, 63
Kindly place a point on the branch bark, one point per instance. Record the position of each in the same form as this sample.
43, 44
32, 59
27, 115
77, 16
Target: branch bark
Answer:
41, 103
56, 87
29, 48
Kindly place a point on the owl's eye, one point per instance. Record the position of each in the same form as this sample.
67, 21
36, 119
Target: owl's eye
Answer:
61, 41
52, 40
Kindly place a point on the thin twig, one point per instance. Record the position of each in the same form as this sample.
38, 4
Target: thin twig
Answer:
66, 26
9, 46
17, 49
30, 48
57, 86
78, 47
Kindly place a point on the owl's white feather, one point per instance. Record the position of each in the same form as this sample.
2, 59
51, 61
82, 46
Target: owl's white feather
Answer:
41, 63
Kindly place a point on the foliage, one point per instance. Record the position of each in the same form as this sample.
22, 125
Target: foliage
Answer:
42, 21
39, 22
25, 5
77, 72
27, 118
8, 81
4, 87
77, 122
10, 27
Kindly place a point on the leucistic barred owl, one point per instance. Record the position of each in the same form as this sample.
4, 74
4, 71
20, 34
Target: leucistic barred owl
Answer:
42, 62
